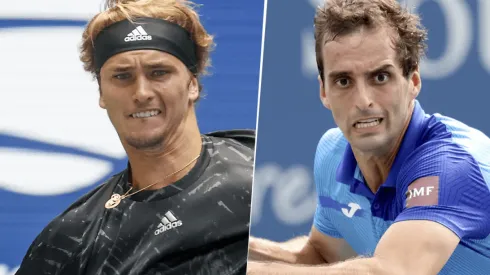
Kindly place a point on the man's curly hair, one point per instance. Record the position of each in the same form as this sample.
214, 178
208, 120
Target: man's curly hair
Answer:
342, 17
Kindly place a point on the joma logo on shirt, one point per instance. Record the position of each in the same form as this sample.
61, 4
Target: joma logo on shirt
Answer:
353, 209
423, 192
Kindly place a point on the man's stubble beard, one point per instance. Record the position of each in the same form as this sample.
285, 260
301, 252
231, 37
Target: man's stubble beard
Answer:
160, 139
146, 143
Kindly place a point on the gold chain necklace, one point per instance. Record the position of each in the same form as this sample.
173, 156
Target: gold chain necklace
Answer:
116, 198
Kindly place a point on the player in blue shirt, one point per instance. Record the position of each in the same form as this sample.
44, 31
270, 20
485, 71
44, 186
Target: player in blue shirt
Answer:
399, 191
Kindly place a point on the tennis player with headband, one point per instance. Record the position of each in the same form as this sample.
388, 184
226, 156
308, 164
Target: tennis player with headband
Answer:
182, 206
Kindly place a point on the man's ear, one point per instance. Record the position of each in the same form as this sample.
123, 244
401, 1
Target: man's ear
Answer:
323, 93
415, 83
101, 99
193, 89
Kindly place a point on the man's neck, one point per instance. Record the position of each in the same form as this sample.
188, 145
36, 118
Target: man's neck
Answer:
169, 164
376, 168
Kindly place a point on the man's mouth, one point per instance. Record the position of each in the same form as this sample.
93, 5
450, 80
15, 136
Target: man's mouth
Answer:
146, 114
366, 123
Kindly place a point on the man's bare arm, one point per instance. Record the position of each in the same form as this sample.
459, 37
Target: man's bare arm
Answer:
286, 252
313, 250
408, 247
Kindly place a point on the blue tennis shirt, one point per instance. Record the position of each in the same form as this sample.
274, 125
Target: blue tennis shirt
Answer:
441, 173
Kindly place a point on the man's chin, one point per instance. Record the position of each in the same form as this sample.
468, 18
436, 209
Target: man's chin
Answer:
145, 142
370, 145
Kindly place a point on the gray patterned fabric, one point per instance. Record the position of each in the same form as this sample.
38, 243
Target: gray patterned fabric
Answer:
198, 225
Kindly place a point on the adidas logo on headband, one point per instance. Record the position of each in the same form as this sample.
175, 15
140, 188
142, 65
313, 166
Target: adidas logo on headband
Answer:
165, 36
137, 34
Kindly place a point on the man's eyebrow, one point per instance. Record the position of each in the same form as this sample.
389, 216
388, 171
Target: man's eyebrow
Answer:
158, 64
380, 69
338, 74
120, 68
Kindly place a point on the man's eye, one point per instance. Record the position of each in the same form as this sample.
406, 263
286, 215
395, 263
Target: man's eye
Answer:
122, 76
382, 78
157, 73
343, 82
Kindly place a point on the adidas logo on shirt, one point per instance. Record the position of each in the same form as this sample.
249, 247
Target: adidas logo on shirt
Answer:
137, 34
168, 222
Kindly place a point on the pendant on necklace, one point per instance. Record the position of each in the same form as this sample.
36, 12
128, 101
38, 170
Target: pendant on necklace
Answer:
113, 201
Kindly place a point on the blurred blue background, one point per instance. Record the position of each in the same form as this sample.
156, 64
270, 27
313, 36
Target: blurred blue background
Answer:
55, 142
455, 77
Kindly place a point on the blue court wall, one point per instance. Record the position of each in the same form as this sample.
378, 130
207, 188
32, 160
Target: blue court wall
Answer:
455, 77
55, 142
